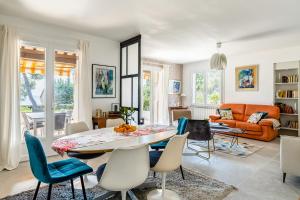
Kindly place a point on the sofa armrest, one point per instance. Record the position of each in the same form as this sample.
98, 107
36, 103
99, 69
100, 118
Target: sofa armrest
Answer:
214, 117
289, 155
265, 122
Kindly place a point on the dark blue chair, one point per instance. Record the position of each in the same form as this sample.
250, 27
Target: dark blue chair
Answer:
155, 155
55, 172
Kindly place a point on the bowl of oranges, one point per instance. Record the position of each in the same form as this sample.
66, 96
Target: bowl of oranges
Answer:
125, 129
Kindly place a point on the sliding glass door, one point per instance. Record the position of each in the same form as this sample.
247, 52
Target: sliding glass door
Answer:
47, 85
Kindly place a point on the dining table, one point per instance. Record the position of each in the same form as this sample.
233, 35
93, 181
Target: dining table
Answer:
106, 140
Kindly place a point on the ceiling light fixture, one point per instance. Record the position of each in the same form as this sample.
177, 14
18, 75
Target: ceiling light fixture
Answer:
218, 61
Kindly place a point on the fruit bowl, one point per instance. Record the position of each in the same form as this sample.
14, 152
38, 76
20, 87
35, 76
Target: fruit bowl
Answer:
125, 129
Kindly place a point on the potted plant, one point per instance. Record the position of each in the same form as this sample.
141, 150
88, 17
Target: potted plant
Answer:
126, 113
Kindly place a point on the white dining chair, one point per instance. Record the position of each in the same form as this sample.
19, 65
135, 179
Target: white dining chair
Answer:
169, 160
127, 168
89, 180
114, 122
76, 127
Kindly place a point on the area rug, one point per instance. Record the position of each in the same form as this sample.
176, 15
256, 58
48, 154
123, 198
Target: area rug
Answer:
223, 144
195, 186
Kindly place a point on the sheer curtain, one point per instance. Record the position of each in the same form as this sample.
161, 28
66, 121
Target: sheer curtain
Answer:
83, 107
160, 95
10, 133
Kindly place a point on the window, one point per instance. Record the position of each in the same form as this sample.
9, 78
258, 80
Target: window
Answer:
207, 88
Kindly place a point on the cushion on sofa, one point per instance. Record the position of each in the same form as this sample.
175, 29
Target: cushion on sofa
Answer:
237, 110
273, 111
255, 118
248, 126
225, 113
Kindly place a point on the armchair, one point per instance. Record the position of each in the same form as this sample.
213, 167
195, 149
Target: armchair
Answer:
289, 156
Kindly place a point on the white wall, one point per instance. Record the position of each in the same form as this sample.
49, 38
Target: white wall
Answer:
102, 50
264, 59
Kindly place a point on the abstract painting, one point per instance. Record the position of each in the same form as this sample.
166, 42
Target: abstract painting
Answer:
246, 78
174, 87
103, 81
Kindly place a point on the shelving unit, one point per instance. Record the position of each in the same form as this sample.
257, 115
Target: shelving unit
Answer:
286, 93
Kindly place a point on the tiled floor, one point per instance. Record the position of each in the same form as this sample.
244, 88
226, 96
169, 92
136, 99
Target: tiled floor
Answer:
256, 177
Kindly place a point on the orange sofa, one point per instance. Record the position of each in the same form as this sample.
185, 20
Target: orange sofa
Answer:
241, 112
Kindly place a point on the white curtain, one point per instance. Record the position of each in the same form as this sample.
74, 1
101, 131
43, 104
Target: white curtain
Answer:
83, 107
10, 133
160, 95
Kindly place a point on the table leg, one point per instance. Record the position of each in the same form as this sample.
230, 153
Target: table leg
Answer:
34, 128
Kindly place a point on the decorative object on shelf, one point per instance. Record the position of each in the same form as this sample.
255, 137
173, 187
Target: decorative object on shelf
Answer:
98, 112
127, 113
182, 96
174, 87
246, 78
292, 124
293, 78
284, 108
115, 107
287, 94
103, 81
218, 60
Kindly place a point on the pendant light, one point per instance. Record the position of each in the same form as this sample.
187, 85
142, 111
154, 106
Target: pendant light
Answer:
218, 61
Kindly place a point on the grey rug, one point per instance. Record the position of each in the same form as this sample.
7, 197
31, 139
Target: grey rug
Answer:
223, 144
195, 186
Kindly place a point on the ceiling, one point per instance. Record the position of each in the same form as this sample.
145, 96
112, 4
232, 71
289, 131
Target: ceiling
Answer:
177, 31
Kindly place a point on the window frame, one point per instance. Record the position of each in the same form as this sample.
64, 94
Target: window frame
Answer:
206, 72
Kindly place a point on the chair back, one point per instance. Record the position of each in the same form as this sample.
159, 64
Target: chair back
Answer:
199, 130
37, 158
76, 127
114, 122
26, 121
60, 121
171, 156
126, 168
182, 122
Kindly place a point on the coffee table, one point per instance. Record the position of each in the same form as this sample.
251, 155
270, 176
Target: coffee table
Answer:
223, 129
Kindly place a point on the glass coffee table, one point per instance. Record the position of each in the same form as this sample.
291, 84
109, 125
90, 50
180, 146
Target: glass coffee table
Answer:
223, 129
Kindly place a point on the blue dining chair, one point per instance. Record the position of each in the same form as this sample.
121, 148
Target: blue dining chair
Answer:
56, 172
182, 123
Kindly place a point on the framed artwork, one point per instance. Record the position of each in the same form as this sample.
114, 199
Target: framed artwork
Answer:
246, 78
174, 87
103, 81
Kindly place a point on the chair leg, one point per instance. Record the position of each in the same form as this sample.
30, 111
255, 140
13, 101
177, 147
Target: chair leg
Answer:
49, 192
283, 177
123, 193
154, 174
208, 147
36, 190
163, 185
181, 172
214, 144
72, 186
83, 188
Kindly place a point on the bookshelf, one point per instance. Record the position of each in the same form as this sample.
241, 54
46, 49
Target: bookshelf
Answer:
287, 96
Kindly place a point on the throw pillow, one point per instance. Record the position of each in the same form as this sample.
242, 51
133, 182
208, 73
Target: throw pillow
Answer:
225, 113
255, 118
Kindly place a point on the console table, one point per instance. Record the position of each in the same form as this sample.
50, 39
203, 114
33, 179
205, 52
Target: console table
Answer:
101, 121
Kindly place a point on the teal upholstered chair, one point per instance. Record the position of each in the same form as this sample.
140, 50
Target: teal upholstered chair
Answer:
55, 172
182, 123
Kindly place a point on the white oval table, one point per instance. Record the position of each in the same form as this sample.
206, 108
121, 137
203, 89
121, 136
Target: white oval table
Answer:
106, 140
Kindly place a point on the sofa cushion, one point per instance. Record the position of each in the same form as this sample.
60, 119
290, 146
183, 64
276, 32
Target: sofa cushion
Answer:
248, 126
225, 113
255, 118
273, 111
230, 123
238, 110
